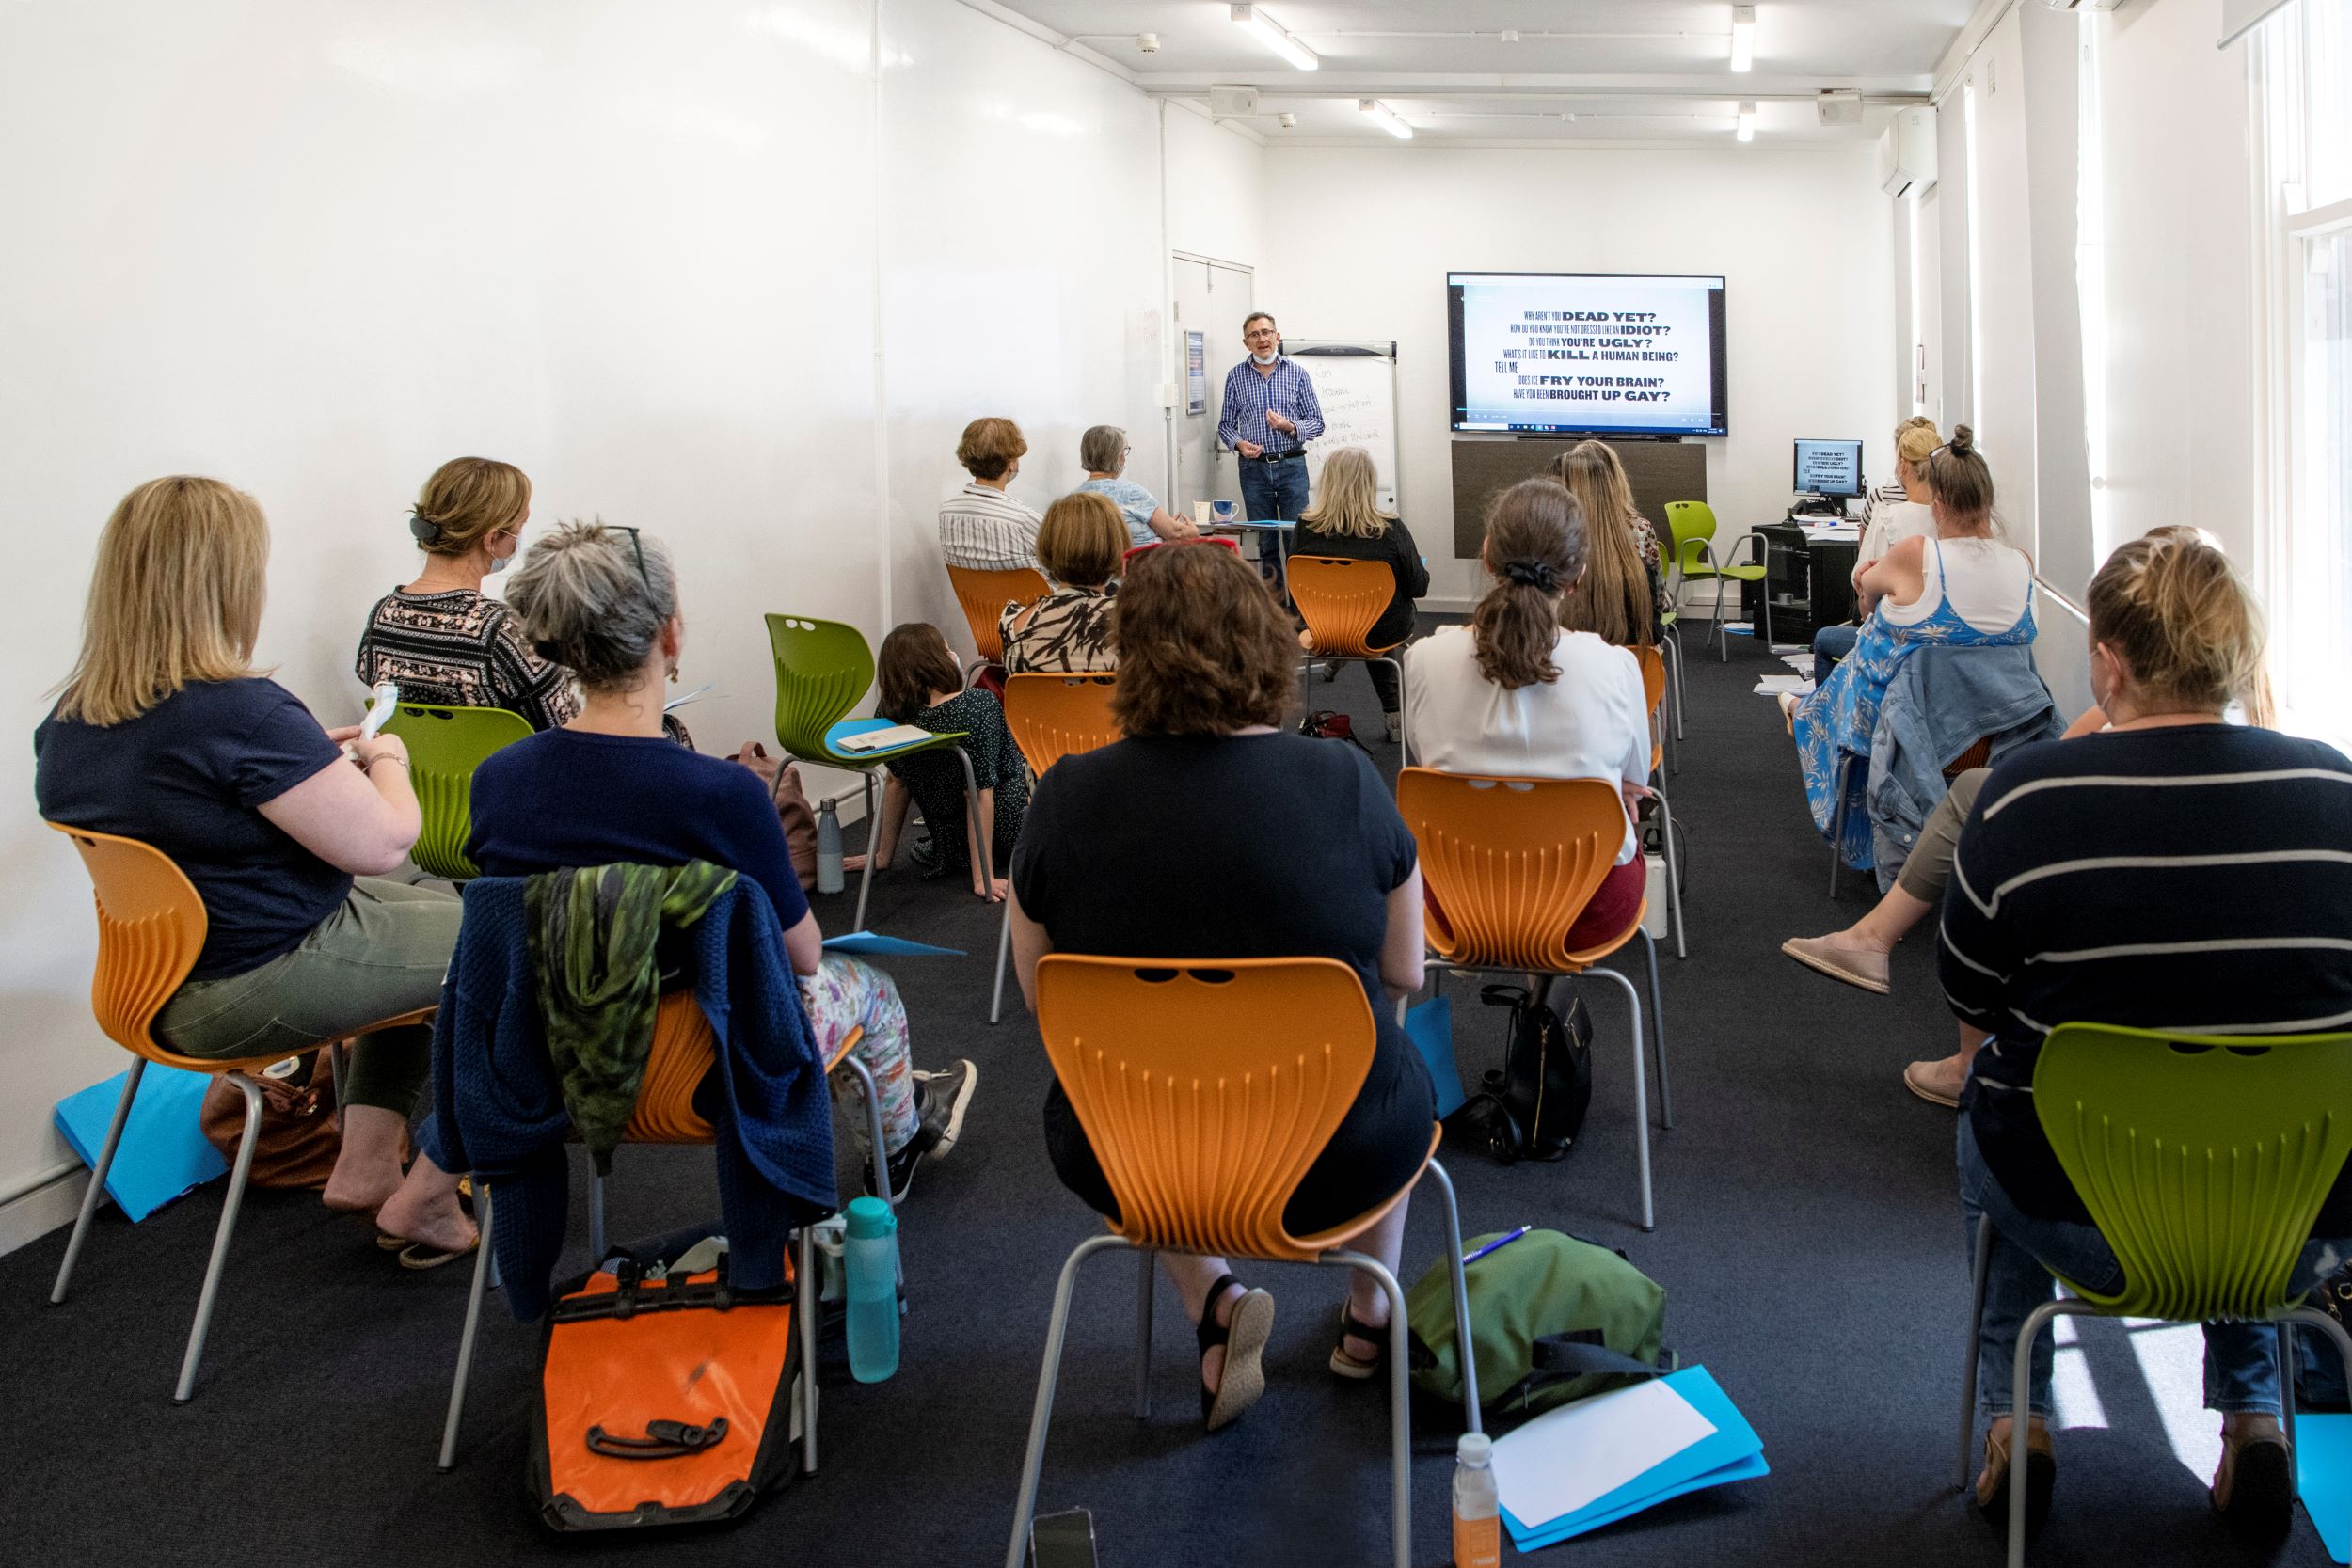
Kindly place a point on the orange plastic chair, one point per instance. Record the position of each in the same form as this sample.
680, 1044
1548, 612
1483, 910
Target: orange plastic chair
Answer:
984, 595
1340, 600
1206, 1091
151, 929
684, 1047
1050, 716
1507, 866
1654, 689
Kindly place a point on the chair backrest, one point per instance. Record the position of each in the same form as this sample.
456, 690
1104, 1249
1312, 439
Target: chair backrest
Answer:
822, 669
1688, 522
984, 595
1206, 1090
151, 929
684, 1047
1052, 716
1653, 694
2203, 1159
1507, 865
445, 746
1340, 599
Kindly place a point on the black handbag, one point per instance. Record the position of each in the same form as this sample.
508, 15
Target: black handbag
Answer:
1534, 1106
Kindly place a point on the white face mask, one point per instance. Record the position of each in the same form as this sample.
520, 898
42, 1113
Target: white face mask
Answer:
499, 562
1264, 358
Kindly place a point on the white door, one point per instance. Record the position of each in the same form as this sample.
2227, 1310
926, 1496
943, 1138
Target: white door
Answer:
1212, 297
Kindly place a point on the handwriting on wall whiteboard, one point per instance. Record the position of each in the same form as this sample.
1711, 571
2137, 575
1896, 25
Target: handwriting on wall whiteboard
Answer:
1359, 399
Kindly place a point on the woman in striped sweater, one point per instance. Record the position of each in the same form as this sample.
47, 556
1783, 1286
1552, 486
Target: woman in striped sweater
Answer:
2171, 872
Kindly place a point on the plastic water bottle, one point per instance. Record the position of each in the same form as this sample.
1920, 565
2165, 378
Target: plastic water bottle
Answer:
1477, 1509
872, 1268
828, 849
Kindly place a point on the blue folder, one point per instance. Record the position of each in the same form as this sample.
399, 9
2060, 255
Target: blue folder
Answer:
163, 1153
2323, 1461
1430, 1027
866, 943
1733, 1452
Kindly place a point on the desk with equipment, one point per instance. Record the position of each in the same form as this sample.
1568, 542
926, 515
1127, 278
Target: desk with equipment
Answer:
1810, 556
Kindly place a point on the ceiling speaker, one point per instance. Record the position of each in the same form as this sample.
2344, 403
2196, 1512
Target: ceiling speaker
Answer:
1232, 103
1838, 109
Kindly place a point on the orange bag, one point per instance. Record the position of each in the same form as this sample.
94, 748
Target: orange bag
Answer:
667, 1401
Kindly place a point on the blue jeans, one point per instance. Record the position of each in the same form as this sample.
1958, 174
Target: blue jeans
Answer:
1270, 490
2241, 1359
1830, 645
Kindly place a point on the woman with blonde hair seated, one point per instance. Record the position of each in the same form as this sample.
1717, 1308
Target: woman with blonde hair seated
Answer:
440, 636
1893, 513
1067, 632
166, 734
1348, 521
1320, 864
1594, 475
1618, 601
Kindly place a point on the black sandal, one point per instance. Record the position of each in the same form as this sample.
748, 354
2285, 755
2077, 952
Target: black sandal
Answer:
1346, 1366
1243, 1382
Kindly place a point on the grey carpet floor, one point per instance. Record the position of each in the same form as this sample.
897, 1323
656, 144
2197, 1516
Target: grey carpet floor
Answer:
1807, 1236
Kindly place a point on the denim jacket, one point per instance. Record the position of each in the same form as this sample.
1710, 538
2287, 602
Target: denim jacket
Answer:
1941, 702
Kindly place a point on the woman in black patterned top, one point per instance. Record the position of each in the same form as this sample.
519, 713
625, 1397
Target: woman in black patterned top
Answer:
440, 636
1067, 632
923, 686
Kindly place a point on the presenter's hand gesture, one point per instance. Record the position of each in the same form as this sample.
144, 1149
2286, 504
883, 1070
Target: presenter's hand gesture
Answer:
1247, 449
1280, 422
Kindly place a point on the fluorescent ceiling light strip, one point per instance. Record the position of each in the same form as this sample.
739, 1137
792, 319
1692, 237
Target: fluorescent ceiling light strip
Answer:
1260, 26
1747, 121
1385, 118
1742, 38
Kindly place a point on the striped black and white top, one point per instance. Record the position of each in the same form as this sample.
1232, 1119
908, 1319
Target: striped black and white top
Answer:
985, 530
1885, 495
2195, 879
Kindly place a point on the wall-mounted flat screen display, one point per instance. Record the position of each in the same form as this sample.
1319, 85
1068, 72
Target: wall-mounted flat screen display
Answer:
1587, 353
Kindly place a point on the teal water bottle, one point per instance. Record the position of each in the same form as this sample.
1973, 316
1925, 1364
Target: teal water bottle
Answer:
871, 1265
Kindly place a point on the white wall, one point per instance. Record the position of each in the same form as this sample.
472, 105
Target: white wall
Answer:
1367, 237
1217, 192
647, 252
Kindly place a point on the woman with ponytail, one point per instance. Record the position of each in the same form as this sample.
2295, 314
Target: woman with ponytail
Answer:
1516, 693
2175, 872
1963, 588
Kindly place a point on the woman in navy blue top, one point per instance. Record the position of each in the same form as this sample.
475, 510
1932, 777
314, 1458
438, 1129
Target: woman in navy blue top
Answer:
608, 788
164, 734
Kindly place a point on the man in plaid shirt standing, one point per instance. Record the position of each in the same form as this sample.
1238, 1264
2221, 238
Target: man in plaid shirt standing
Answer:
1270, 415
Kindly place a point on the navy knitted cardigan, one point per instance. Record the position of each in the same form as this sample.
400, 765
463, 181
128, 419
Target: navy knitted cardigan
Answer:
498, 1107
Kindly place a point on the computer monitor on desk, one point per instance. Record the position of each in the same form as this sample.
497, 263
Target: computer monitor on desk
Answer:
1827, 475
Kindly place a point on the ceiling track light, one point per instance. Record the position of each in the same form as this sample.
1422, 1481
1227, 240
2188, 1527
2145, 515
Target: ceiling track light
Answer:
1385, 118
1254, 21
1742, 38
1747, 120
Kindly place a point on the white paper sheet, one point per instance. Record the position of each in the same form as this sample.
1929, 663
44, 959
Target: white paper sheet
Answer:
1564, 1458
1772, 686
1801, 663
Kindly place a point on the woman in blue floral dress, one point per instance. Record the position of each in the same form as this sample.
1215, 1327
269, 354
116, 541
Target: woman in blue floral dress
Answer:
1963, 588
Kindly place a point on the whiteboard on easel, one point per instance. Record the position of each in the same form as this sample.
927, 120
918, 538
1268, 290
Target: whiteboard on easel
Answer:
1356, 384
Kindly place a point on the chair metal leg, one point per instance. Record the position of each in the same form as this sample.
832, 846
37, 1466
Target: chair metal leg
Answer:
596, 1220
1674, 871
2286, 1406
1017, 1554
1400, 1402
97, 1188
1145, 1283
1673, 646
873, 839
1641, 1093
1658, 1034
1980, 1272
1721, 632
1403, 736
1461, 1296
229, 1205
2021, 1412
1004, 961
982, 841
1837, 821
873, 1127
808, 1308
482, 1266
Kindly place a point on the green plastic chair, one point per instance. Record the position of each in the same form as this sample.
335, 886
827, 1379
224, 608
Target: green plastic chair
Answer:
445, 746
1691, 525
823, 669
2203, 1160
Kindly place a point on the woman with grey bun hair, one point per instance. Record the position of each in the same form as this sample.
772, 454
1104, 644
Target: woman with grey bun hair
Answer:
607, 789
1102, 453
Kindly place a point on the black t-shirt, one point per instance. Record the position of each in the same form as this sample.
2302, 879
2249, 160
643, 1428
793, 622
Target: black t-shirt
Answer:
188, 776
1199, 847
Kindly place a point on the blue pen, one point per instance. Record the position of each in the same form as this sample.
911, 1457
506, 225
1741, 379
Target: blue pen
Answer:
1498, 1243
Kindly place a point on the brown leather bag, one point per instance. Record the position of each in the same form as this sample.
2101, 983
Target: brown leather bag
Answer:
298, 1141
792, 809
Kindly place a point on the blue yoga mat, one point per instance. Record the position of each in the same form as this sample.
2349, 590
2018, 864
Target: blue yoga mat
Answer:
1733, 1452
163, 1153
2323, 1462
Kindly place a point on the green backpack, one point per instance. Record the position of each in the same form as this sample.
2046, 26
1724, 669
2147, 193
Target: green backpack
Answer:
1553, 1319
